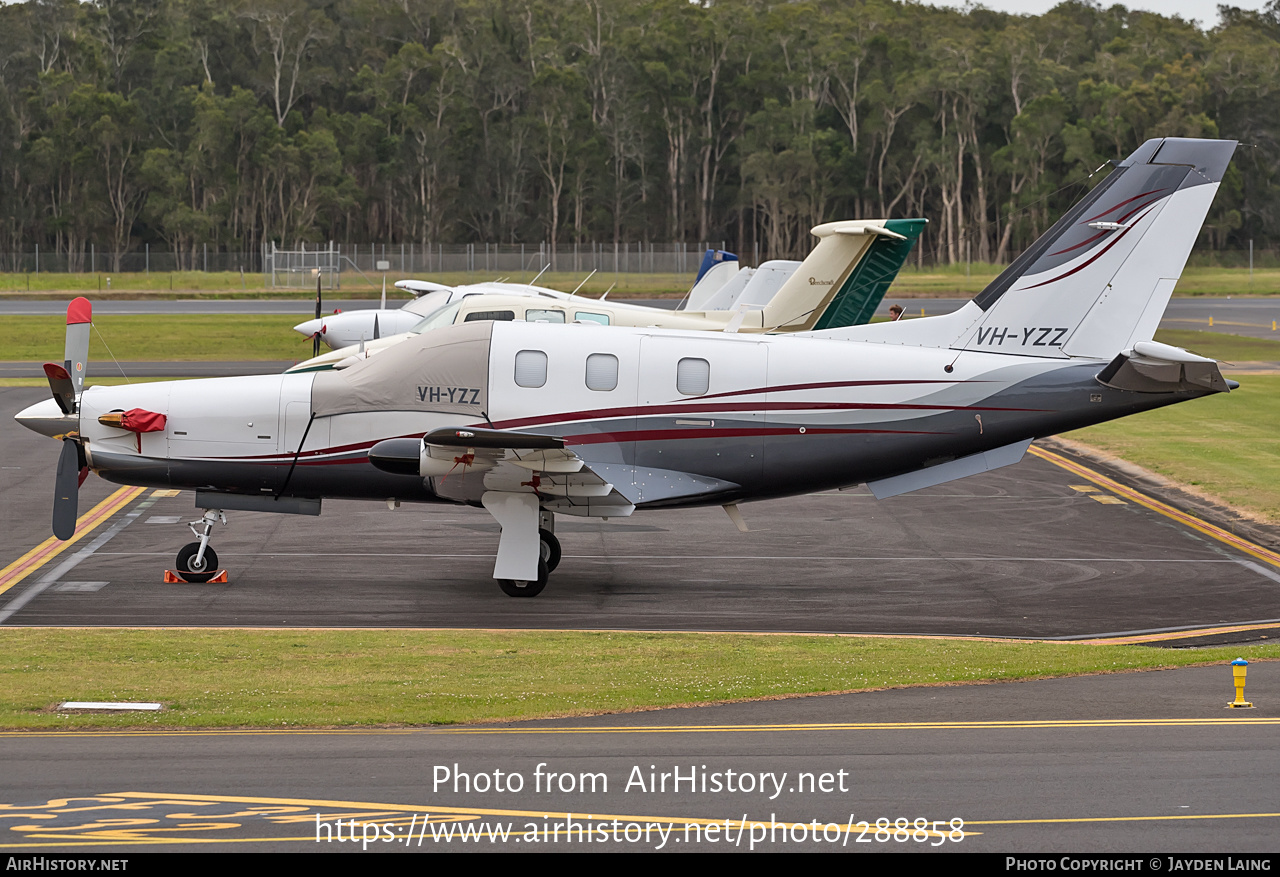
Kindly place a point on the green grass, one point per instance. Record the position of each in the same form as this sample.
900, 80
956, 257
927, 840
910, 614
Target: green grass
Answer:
218, 678
1227, 445
942, 281
229, 284
1220, 346
178, 338
948, 281
171, 338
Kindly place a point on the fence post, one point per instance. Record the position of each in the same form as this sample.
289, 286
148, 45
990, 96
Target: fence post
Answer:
206, 258
148, 269
93, 259
37, 260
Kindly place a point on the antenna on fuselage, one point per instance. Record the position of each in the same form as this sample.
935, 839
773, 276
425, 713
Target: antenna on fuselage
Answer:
584, 281
540, 273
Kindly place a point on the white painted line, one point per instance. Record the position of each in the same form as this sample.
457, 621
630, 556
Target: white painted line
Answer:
163, 519
79, 587
95, 705
1260, 569
55, 575
610, 557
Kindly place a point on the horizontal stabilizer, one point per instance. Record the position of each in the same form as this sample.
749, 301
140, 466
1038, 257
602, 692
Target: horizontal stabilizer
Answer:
1151, 367
974, 464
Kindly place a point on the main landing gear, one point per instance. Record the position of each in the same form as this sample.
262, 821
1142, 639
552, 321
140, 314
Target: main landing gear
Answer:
197, 562
549, 548
528, 549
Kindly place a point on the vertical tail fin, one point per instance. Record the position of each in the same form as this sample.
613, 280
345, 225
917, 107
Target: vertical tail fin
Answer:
1099, 280
845, 270
859, 296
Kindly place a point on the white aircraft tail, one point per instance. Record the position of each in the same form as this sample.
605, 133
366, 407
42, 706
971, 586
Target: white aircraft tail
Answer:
1098, 281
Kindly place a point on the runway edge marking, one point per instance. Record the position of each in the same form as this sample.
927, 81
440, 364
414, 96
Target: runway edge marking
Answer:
1215, 532
51, 547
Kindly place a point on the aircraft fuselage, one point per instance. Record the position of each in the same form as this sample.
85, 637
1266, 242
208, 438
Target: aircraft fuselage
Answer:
741, 413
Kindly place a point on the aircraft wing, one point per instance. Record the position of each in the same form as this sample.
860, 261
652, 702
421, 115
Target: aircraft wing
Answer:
507, 462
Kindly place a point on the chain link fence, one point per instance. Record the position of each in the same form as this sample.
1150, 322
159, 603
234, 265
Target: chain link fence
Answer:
484, 259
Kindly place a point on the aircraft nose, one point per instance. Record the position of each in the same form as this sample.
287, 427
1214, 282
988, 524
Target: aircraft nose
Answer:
47, 418
309, 328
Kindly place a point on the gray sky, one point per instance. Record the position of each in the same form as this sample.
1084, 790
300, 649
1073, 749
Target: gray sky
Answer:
1203, 11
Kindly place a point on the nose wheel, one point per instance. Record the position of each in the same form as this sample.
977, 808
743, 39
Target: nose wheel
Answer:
194, 566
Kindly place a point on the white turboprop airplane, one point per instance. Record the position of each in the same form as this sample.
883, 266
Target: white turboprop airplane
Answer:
352, 328
531, 420
841, 282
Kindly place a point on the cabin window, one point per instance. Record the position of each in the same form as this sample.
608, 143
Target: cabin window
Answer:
588, 317
693, 376
531, 368
532, 316
602, 371
503, 316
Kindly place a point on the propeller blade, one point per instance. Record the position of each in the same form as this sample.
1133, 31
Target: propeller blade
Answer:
376, 334
315, 347
63, 387
76, 351
67, 491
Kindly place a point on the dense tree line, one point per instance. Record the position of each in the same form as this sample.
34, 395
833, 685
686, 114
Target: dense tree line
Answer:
180, 123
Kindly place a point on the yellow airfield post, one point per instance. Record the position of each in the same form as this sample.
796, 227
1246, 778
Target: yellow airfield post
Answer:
1239, 667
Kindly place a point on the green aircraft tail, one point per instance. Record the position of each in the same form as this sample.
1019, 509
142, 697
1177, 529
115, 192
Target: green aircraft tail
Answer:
861, 294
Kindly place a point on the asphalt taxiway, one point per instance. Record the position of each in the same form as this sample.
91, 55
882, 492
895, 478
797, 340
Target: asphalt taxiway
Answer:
1033, 550
1105, 764
1048, 548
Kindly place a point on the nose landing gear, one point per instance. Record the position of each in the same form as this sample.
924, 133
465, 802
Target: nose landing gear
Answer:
196, 561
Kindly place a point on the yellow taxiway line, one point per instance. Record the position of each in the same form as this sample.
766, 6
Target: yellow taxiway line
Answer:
51, 547
1236, 542
1029, 724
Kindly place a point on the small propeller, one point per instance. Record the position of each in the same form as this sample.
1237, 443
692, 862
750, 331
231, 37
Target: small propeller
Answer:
66, 381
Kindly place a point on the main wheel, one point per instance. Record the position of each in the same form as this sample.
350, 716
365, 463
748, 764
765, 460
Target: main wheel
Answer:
514, 588
190, 570
550, 546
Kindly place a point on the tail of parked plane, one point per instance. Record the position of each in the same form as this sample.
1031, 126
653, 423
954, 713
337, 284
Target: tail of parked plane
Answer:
1098, 281
845, 277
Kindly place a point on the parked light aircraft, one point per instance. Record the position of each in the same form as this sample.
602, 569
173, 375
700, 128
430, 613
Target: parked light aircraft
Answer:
351, 328
841, 282
532, 420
